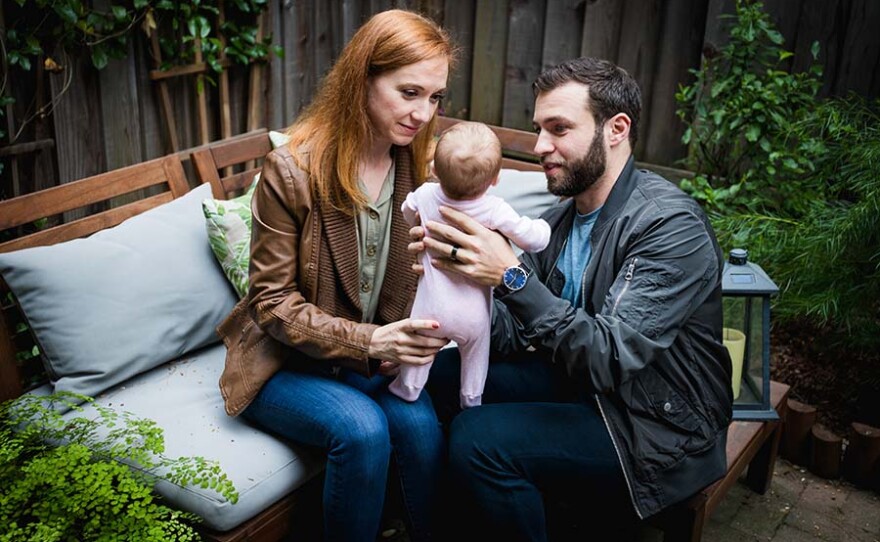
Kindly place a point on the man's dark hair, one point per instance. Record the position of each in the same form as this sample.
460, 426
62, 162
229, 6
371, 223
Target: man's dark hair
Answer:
611, 89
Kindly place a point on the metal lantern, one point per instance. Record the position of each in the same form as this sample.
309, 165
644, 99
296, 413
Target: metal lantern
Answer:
746, 291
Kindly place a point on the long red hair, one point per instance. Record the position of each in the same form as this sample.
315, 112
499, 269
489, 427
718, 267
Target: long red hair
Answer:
335, 127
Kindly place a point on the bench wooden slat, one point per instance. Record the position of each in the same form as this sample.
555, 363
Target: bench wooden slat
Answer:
58, 199
211, 160
248, 147
86, 226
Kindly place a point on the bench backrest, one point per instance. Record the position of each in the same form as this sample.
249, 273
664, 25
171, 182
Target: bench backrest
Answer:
164, 172
216, 163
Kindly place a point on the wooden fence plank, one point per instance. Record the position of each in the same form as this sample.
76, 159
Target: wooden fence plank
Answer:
523, 62
149, 116
682, 39
601, 34
295, 63
352, 18
77, 117
785, 14
276, 115
323, 42
121, 119
637, 53
490, 48
717, 23
434, 9
822, 21
861, 48
307, 73
380, 5
563, 25
458, 19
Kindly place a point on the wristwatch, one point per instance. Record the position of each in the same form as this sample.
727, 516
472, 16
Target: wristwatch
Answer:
513, 279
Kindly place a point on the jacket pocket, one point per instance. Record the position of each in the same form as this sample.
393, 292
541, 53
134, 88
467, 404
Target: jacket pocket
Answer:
665, 427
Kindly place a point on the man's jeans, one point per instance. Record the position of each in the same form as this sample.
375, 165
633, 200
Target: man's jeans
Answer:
536, 441
359, 424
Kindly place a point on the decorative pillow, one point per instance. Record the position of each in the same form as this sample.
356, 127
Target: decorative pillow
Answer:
229, 232
229, 229
124, 300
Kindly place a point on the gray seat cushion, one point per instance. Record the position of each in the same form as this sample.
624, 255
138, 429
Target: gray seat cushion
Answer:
183, 398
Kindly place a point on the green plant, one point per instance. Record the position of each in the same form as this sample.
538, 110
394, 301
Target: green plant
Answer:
51, 31
67, 478
739, 113
45, 26
827, 258
791, 177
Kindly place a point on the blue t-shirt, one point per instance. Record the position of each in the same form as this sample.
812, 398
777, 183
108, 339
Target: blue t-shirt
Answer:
576, 255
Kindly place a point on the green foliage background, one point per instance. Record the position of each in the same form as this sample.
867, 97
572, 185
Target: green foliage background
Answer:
793, 178
50, 31
64, 479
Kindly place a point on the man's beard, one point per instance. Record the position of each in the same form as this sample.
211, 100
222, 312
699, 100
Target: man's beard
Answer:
583, 173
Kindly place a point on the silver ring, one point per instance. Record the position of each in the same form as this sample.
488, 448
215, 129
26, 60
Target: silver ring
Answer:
454, 253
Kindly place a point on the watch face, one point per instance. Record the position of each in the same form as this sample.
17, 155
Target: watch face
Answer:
514, 278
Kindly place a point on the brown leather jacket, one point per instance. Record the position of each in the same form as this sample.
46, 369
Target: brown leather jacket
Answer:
303, 299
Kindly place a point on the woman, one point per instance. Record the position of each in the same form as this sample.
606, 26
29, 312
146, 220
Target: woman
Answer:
325, 319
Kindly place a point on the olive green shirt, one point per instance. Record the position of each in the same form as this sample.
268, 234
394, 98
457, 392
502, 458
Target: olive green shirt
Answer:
374, 226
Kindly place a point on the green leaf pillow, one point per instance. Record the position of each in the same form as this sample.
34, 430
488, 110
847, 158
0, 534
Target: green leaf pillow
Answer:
229, 228
229, 232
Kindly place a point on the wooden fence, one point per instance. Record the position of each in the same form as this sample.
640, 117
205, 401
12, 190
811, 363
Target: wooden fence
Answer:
111, 118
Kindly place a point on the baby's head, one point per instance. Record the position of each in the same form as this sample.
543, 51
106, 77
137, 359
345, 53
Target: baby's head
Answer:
467, 160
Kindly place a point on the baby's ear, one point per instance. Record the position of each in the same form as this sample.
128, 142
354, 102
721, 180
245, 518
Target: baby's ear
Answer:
495, 180
431, 172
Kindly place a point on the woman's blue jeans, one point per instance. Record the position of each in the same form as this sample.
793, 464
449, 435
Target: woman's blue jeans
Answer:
537, 440
360, 425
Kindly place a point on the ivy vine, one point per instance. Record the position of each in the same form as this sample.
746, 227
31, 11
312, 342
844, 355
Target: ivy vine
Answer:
50, 31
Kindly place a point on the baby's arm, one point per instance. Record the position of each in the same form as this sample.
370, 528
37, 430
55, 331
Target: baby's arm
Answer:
410, 210
528, 234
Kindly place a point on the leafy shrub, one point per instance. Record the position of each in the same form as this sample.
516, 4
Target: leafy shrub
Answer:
64, 479
739, 114
790, 177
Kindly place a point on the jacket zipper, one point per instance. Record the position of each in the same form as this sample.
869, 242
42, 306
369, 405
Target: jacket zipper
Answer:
619, 458
627, 279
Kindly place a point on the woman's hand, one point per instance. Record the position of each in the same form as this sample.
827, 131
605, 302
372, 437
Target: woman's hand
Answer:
401, 342
480, 253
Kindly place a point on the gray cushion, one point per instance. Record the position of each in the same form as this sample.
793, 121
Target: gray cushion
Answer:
525, 191
183, 398
124, 300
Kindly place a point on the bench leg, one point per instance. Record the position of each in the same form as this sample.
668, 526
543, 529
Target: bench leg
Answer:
760, 472
685, 523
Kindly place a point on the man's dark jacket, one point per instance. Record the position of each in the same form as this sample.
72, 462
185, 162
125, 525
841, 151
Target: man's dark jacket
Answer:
647, 342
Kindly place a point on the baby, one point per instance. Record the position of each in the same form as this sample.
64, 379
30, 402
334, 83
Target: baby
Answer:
467, 161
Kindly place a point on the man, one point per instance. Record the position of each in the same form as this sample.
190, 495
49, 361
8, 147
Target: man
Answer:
624, 397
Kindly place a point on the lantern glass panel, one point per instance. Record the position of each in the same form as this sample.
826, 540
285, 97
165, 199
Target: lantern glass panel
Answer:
755, 350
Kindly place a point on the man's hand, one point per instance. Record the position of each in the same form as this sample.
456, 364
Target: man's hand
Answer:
480, 253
